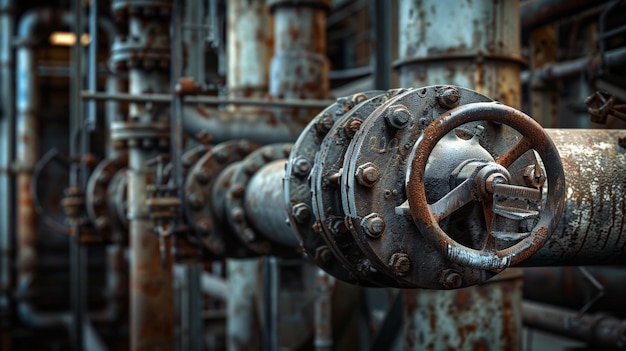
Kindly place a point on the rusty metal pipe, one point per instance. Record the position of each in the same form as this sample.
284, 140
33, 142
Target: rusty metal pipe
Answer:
600, 331
536, 13
591, 230
27, 137
265, 204
6, 156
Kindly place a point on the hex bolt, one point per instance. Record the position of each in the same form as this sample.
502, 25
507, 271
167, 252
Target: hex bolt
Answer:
103, 178
247, 235
323, 254
352, 126
238, 214
204, 226
400, 263
373, 224
367, 174
237, 190
202, 177
325, 123
449, 97
451, 279
301, 212
399, 117
302, 166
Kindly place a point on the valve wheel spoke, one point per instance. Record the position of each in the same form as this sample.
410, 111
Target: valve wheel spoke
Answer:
515, 152
452, 201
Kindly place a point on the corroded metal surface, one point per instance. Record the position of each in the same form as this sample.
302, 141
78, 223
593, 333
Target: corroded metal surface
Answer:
250, 35
240, 222
203, 213
592, 229
481, 52
265, 207
297, 185
483, 317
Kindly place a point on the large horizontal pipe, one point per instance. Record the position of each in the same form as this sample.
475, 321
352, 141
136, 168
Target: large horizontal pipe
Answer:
207, 100
591, 230
600, 331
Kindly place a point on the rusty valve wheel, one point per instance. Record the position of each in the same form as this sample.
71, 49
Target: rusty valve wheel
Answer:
485, 185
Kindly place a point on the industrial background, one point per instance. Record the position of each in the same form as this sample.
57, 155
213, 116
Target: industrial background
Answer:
312, 175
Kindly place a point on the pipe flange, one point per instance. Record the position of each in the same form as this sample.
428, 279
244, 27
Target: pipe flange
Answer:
385, 233
130, 52
146, 135
326, 194
235, 206
204, 215
297, 186
102, 204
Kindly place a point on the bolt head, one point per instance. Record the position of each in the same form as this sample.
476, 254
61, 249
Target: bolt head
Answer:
301, 212
325, 123
302, 166
367, 174
196, 200
451, 279
238, 214
399, 117
323, 254
534, 177
373, 224
352, 126
400, 263
449, 97
203, 177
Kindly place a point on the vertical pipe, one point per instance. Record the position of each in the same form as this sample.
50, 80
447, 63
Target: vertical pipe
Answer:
151, 293
78, 180
249, 36
6, 156
299, 68
323, 312
382, 37
481, 52
271, 278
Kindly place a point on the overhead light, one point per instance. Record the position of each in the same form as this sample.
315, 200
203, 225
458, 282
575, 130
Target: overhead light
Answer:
68, 39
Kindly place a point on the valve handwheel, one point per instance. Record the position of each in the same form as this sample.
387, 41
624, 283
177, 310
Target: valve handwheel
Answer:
427, 216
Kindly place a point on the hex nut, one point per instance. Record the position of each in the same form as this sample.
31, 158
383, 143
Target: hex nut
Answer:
449, 97
302, 166
400, 263
399, 117
325, 123
323, 254
367, 174
301, 212
373, 224
352, 126
451, 279
534, 178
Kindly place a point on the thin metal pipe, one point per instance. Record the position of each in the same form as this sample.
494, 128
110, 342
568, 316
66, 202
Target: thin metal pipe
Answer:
207, 100
271, 278
6, 156
535, 13
600, 331
382, 53
78, 179
323, 312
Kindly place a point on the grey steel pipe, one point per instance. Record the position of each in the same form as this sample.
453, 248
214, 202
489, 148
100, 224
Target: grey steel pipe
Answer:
265, 204
481, 51
250, 44
536, 13
6, 156
600, 331
591, 230
299, 68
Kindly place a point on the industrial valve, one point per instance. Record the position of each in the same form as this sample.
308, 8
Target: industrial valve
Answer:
438, 187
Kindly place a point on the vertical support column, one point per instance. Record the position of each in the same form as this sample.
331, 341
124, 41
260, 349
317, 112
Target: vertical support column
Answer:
144, 51
543, 95
249, 36
480, 50
6, 180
